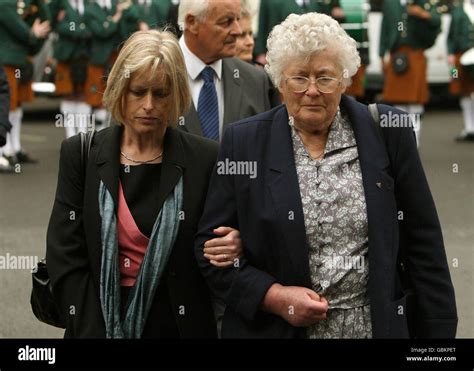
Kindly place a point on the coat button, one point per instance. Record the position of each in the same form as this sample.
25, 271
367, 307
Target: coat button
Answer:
171, 273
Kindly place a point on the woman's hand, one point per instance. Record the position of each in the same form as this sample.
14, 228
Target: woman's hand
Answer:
118, 13
40, 29
419, 12
452, 60
142, 26
299, 306
225, 250
61, 15
338, 13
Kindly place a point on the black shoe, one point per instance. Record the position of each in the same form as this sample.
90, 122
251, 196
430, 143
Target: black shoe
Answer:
13, 160
465, 137
25, 158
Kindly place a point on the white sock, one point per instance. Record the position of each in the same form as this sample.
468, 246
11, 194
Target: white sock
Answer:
13, 137
67, 109
467, 105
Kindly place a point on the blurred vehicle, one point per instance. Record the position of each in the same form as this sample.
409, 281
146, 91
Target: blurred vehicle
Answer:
438, 69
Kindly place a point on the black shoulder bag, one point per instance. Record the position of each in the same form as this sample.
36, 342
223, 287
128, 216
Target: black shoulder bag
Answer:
42, 301
402, 266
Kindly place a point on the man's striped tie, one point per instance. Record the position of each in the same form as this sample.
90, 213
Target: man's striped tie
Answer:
208, 109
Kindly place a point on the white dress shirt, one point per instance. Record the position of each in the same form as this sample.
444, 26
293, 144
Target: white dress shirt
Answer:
194, 66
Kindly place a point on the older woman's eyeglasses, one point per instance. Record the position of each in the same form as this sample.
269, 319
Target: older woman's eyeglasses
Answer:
325, 84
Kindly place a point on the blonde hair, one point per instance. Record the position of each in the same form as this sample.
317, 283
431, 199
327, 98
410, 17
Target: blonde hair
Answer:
150, 52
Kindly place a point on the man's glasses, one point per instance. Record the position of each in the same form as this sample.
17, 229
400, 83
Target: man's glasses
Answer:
325, 84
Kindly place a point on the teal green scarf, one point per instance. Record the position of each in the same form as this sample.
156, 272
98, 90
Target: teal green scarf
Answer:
163, 237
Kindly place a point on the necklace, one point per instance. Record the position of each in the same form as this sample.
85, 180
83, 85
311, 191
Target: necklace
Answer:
141, 162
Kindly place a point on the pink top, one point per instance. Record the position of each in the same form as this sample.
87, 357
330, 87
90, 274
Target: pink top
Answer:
131, 242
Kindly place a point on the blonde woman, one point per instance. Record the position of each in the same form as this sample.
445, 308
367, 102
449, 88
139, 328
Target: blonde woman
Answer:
123, 265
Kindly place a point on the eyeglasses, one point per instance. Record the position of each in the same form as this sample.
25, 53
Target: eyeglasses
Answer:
325, 84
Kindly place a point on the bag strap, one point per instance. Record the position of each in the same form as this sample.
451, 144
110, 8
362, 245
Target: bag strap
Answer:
86, 144
374, 112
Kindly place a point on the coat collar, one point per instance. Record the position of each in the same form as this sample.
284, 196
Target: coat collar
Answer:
108, 161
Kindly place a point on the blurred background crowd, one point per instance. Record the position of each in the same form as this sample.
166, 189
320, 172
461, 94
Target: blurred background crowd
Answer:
65, 48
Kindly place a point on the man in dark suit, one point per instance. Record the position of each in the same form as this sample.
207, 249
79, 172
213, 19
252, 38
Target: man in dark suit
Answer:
5, 125
224, 89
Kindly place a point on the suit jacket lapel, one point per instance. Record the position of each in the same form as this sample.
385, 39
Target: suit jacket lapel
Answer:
108, 161
378, 190
232, 92
192, 124
174, 163
106, 149
284, 189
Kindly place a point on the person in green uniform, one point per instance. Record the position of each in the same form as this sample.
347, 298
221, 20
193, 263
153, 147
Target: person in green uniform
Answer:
108, 21
273, 12
24, 25
55, 7
409, 27
5, 126
152, 13
460, 40
71, 52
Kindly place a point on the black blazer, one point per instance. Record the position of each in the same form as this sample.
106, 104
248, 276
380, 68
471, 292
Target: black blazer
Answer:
275, 248
5, 125
247, 92
74, 247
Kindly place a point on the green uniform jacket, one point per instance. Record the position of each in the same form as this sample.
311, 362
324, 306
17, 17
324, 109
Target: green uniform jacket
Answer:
156, 14
461, 32
17, 40
106, 34
54, 7
74, 36
416, 33
273, 12
153, 15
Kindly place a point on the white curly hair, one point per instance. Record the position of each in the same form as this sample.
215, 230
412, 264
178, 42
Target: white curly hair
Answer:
301, 36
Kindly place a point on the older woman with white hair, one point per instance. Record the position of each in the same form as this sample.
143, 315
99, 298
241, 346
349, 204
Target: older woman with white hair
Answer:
339, 230
120, 238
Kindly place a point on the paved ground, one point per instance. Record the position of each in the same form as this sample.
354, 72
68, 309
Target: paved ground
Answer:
26, 200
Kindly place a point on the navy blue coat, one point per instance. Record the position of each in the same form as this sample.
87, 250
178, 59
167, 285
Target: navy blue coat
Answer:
275, 247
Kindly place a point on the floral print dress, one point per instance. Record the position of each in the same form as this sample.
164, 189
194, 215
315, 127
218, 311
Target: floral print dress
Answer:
335, 216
